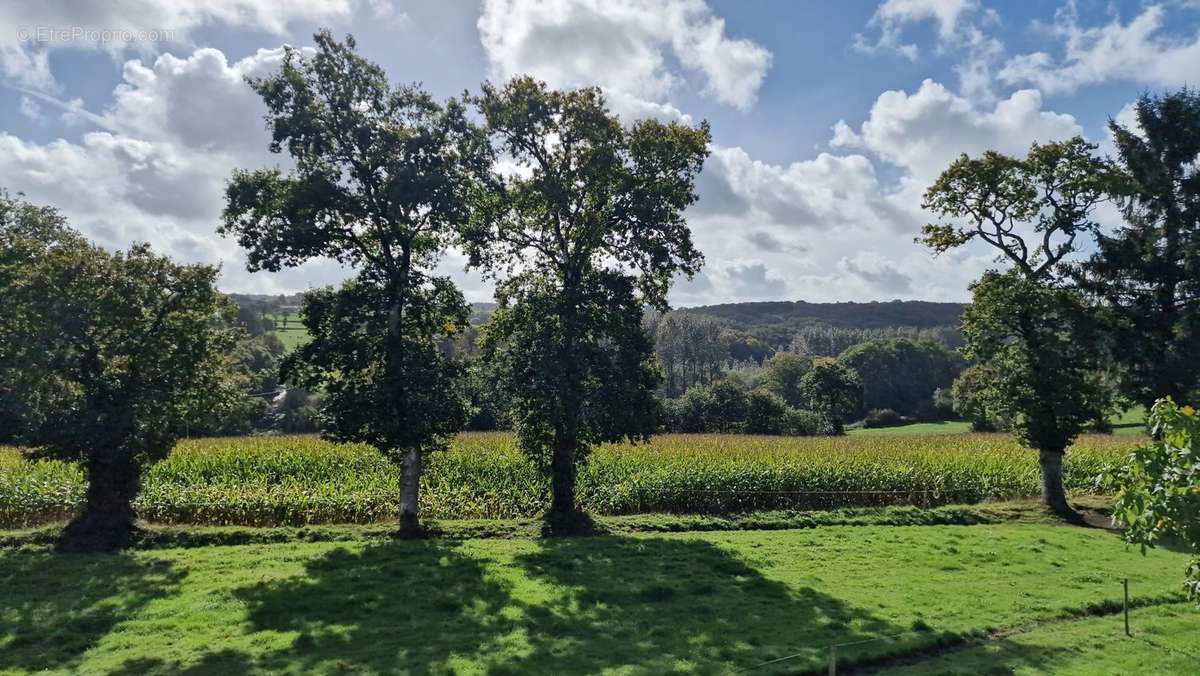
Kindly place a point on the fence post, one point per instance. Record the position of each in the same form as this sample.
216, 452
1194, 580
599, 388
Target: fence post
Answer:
833, 660
1125, 583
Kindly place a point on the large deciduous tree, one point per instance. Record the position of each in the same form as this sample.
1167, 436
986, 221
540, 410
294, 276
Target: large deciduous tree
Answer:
102, 356
379, 184
1029, 332
833, 390
1147, 272
585, 229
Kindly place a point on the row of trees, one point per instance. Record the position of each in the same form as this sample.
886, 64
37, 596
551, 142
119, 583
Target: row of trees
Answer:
1051, 332
577, 217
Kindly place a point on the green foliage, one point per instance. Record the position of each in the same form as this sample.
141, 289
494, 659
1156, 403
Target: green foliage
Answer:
587, 232
692, 349
1035, 341
1052, 191
974, 400
1158, 487
832, 390
1147, 272
379, 184
300, 480
831, 341
784, 371
902, 374
105, 356
1039, 365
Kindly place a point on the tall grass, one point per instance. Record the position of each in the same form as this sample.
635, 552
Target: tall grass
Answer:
302, 479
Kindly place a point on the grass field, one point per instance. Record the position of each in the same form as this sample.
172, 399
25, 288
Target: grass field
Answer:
699, 602
293, 334
300, 480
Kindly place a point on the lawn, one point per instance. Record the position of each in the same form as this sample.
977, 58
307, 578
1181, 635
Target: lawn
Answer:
706, 602
292, 334
941, 427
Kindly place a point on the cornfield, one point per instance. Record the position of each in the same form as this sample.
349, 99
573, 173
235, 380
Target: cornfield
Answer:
304, 480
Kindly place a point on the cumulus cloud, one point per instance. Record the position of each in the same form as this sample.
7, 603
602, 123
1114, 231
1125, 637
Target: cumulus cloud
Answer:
926, 130
1140, 51
627, 47
960, 28
33, 29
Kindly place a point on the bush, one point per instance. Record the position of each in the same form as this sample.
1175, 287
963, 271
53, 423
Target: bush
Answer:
765, 413
884, 417
801, 423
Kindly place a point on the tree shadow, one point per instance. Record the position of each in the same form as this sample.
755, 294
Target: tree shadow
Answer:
666, 605
572, 605
408, 606
54, 607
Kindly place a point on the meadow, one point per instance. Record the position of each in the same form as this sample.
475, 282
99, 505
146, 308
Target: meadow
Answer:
989, 598
297, 480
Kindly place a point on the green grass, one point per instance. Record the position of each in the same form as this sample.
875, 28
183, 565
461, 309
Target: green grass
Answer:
294, 335
1129, 422
1165, 640
634, 604
303, 480
943, 427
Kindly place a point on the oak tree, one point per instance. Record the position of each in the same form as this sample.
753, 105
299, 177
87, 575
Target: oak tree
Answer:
585, 229
379, 184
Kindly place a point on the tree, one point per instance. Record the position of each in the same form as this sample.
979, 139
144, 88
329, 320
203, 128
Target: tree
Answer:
1029, 332
832, 390
902, 374
971, 400
784, 371
101, 355
1147, 273
589, 231
1158, 487
379, 184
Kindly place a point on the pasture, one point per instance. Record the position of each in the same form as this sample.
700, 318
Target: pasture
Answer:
1047, 597
296, 480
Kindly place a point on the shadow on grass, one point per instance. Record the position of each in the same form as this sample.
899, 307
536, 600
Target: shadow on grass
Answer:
54, 607
571, 605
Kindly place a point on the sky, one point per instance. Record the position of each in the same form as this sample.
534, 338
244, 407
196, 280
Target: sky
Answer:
829, 120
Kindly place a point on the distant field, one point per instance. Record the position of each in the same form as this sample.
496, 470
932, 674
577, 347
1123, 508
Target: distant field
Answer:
292, 334
1130, 422
943, 427
299, 480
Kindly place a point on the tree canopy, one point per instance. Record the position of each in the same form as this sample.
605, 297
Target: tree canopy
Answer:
1027, 331
1147, 272
584, 230
103, 355
380, 183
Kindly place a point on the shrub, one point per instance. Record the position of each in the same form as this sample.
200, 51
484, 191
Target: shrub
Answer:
884, 417
765, 413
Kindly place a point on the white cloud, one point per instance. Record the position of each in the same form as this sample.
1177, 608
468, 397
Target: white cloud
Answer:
892, 16
627, 47
33, 29
831, 228
1139, 51
923, 132
960, 28
30, 109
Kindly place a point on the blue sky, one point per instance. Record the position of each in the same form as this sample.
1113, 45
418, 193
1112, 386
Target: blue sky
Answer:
828, 119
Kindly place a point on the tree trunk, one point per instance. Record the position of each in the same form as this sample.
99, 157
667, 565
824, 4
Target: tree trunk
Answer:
410, 493
107, 521
1053, 493
563, 473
